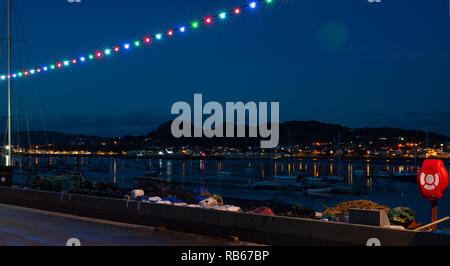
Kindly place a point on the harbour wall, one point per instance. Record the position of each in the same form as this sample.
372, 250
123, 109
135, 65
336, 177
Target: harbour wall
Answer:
271, 230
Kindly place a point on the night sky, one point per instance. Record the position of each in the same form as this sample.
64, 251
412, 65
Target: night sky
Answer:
349, 62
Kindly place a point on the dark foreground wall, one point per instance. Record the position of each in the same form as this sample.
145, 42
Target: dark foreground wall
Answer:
248, 227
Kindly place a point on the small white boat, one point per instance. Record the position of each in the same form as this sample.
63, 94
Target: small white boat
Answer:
224, 173
284, 177
265, 185
346, 190
271, 185
319, 195
320, 190
313, 179
404, 173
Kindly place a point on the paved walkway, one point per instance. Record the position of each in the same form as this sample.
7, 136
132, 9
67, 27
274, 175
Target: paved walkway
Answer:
28, 227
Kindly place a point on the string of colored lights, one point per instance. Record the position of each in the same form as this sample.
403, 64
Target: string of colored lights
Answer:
99, 54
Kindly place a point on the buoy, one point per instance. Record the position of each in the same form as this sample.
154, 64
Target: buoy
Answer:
433, 181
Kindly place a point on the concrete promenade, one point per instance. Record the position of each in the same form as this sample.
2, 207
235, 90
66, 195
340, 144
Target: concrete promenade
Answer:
28, 227
270, 230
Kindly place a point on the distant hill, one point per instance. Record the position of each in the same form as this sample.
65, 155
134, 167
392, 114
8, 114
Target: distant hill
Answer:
300, 132
34, 138
304, 132
291, 133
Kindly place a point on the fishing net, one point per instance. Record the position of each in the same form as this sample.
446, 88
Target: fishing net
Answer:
401, 216
358, 204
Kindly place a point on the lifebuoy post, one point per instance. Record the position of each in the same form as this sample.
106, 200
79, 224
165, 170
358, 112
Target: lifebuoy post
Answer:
433, 181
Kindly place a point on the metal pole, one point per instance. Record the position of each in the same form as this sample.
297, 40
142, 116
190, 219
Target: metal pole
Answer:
434, 214
9, 159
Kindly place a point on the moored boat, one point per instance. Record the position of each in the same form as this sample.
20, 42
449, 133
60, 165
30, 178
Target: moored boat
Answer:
320, 190
286, 178
313, 179
224, 173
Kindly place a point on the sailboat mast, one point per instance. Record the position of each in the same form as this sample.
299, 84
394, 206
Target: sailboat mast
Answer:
9, 147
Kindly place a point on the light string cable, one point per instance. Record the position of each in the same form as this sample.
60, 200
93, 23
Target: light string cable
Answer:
101, 53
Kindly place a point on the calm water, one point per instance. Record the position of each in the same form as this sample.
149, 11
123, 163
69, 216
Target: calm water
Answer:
232, 178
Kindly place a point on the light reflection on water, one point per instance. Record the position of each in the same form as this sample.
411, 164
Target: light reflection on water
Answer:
231, 178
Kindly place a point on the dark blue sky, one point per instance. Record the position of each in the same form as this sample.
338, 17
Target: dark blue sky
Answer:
349, 62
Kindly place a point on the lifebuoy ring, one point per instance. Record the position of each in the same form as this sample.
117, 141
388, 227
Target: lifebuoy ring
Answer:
433, 179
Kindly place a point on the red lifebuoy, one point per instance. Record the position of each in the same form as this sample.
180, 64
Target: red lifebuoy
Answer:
433, 179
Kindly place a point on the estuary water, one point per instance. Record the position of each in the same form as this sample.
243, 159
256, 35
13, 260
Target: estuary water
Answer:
236, 178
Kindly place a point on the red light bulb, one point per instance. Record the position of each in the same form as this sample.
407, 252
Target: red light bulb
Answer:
237, 11
147, 40
208, 20
99, 54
